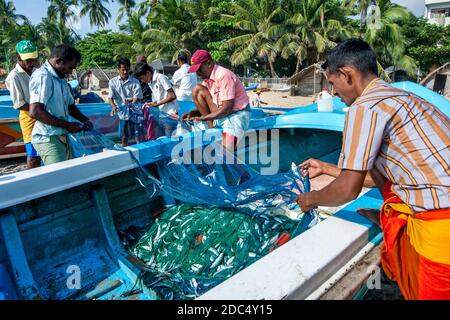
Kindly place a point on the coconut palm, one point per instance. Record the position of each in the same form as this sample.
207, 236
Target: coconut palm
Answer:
170, 29
55, 33
62, 10
313, 27
98, 14
126, 8
259, 24
8, 15
388, 40
131, 42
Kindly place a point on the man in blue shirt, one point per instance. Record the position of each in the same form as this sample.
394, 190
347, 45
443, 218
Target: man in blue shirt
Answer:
51, 104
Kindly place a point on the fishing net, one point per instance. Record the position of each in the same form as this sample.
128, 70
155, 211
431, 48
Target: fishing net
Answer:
223, 217
191, 249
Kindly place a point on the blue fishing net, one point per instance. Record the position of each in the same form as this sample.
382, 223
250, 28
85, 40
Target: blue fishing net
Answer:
225, 215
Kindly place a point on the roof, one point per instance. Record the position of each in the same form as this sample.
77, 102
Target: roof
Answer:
304, 73
441, 70
102, 74
163, 65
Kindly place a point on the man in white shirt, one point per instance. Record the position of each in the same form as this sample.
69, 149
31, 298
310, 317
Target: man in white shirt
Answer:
18, 82
184, 81
164, 96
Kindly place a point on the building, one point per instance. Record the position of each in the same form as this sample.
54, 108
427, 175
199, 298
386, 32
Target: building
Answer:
439, 80
96, 79
308, 82
164, 67
438, 11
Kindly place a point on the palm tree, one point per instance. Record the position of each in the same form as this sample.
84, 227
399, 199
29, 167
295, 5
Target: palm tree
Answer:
170, 29
99, 15
8, 15
61, 10
259, 24
126, 7
388, 40
55, 33
313, 27
131, 42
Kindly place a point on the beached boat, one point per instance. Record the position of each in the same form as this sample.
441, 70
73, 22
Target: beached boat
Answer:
71, 213
11, 140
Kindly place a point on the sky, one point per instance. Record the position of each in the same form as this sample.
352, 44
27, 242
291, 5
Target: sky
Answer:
35, 10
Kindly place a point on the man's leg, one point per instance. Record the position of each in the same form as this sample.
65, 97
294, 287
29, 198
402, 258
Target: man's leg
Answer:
203, 101
124, 133
33, 159
53, 151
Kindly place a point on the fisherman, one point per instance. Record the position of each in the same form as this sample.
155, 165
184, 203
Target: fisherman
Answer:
163, 94
146, 91
403, 142
51, 104
17, 83
123, 91
184, 81
221, 100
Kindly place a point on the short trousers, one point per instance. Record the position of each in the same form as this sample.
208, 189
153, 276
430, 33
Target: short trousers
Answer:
31, 151
56, 150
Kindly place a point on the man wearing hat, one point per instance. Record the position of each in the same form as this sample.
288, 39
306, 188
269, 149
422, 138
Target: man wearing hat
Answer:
17, 83
221, 99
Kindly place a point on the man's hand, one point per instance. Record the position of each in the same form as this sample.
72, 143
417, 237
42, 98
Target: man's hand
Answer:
313, 167
88, 125
114, 111
303, 201
74, 127
150, 104
190, 115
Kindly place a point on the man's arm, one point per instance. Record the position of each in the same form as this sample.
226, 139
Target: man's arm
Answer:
171, 96
315, 168
345, 188
225, 110
38, 112
76, 113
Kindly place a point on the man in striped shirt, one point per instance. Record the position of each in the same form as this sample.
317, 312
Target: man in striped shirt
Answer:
403, 142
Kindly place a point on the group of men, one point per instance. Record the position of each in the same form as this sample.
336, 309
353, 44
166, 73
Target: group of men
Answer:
44, 98
392, 139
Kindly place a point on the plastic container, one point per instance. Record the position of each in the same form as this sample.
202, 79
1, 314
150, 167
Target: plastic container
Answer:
325, 101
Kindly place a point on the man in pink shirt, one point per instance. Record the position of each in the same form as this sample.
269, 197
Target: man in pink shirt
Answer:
221, 99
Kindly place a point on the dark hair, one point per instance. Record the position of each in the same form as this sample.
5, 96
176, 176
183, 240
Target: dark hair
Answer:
141, 69
183, 57
124, 62
352, 53
66, 53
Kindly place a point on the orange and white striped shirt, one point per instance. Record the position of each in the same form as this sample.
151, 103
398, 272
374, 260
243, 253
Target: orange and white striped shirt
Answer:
406, 138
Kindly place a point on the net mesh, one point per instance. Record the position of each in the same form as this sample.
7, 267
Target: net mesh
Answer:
222, 218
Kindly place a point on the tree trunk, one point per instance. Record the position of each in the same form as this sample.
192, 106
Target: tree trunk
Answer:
297, 67
272, 68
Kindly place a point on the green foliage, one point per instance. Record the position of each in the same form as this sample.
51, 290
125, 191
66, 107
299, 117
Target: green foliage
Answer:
428, 44
97, 49
277, 36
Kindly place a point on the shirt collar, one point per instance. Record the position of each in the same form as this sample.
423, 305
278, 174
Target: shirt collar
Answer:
155, 73
51, 70
20, 69
212, 77
373, 85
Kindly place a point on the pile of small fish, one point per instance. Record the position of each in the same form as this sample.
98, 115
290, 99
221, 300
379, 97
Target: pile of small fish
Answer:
190, 249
